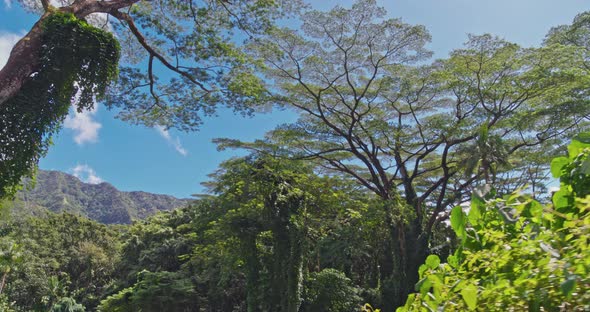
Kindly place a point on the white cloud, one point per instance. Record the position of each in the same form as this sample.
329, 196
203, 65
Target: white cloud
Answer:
84, 126
7, 41
86, 174
8, 4
175, 142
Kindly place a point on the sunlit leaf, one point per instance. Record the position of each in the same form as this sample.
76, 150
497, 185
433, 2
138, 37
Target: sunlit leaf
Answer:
469, 294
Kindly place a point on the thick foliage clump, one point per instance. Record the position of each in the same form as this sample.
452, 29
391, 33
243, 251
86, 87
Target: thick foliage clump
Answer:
58, 262
78, 63
515, 253
331, 291
275, 237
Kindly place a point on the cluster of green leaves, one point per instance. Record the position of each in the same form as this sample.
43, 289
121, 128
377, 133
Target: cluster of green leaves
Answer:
515, 253
153, 292
78, 61
201, 43
87, 59
67, 305
331, 291
221, 253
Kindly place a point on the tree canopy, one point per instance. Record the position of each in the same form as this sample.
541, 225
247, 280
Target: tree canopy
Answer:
361, 200
372, 108
63, 60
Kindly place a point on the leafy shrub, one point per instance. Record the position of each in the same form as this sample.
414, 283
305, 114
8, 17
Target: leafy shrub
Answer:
67, 305
331, 291
515, 253
153, 292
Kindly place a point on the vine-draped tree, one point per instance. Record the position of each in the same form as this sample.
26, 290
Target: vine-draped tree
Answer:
263, 194
63, 60
419, 136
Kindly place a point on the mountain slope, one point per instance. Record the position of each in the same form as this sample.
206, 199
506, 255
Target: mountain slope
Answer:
60, 192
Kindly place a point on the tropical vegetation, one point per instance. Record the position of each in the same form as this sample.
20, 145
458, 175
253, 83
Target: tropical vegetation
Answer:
406, 183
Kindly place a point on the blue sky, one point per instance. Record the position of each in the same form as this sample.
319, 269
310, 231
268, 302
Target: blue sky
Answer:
97, 147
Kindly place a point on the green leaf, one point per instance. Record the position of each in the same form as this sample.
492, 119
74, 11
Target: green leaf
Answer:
424, 286
536, 209
408, 304
458, 221
436, 285
567, 287
433, 261
453, 261
561, 198
477, 209
585, 167
576, 148
583, 137
419, 284
460, 284
422, 269
557, 164
469, 294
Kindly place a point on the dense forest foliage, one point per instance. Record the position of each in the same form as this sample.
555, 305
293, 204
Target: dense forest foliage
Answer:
274, 235
405, 183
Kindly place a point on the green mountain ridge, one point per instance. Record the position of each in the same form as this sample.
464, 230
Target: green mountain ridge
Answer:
61, 192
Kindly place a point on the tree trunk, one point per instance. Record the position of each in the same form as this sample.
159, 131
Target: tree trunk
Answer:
405, 252
411, 250
281, 254
295, 275
287, 271
252, 273
24, 61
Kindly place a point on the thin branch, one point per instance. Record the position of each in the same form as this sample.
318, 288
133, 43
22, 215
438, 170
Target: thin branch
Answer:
46, 5
141, 39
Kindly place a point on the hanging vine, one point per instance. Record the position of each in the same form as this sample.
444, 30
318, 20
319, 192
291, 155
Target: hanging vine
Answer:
79, 61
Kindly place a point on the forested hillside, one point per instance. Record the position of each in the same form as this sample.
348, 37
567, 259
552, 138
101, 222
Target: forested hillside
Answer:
60, 192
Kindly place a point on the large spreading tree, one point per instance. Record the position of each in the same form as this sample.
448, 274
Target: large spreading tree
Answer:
180, 60
419, 135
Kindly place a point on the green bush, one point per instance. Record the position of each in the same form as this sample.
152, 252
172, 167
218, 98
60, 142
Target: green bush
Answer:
67, 305
517, 254
330, 291
154, 292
